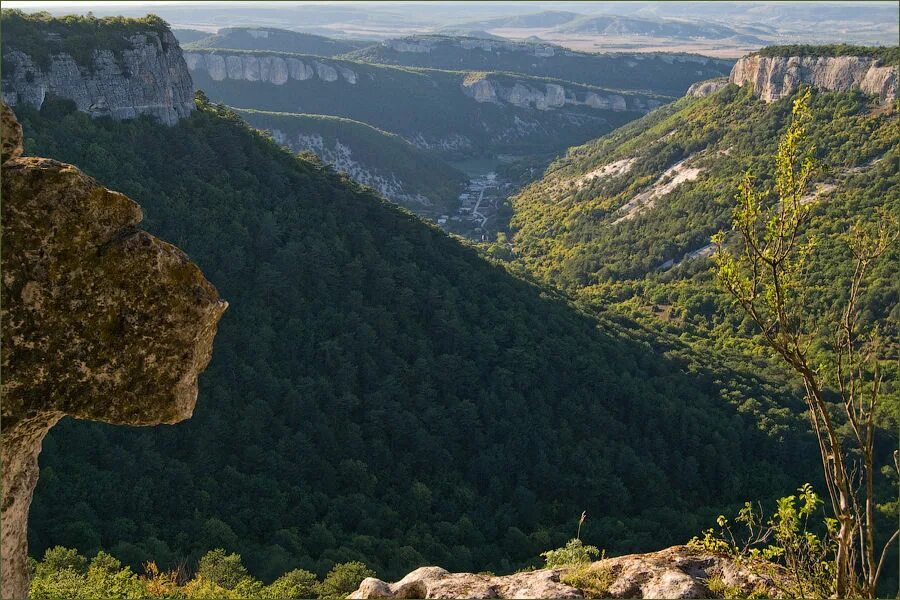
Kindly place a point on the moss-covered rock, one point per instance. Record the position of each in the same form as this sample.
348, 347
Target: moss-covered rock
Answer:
100, 321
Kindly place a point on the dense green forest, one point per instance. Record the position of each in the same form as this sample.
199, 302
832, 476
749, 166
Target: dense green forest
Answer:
281, 40
669, 74
568, 226
381, 393
64, 573
567, 229
429, 107
41, 35
383, 154
887, 54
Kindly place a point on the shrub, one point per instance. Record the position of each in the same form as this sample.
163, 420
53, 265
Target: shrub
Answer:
293, 584
222, 569
574, 553
343, 579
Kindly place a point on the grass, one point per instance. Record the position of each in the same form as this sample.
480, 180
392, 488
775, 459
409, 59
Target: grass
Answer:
593, 580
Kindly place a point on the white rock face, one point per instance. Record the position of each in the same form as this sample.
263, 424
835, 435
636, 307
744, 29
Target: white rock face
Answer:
674, 176
325, 72
707, 87
677, 572
299, 70
775, 77
551, 96
481, 91
340, 156
273, 69
149, 78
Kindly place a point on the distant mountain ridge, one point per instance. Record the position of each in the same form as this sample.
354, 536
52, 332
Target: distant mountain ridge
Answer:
279, 40
664, 73
571, 22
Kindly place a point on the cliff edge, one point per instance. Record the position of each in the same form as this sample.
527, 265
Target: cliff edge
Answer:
100, 321
676, 572
774, 77
127, 69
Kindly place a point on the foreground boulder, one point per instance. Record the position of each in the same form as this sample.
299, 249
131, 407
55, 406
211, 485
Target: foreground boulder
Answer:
100, 320
676, 572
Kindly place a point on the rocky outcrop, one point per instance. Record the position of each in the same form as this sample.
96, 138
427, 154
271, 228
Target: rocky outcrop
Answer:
707, 87
340, 156
772, 78
677, 572
550, 96
274, 69
100, 321
148, 78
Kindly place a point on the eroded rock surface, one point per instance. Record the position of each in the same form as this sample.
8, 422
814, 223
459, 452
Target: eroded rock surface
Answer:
275, 69
550, 96
677, 572
772, 78
149, 78
707, 87
100, 321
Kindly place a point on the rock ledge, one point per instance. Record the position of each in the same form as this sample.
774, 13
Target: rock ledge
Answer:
676, 572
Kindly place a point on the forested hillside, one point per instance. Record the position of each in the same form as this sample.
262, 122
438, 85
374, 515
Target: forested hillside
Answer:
384, 161
380, 392
627, 219
644, 198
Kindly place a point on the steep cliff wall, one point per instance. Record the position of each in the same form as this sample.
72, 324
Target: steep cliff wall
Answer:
101, 321
549, 96
267, 68
525, 93
705, 88
148, 76
777, 76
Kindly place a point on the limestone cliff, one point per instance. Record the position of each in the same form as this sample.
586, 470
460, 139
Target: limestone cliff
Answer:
340, 156
677, 572
100, 321
549, 96
773, 77
706, 87
268, 68
149, 76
